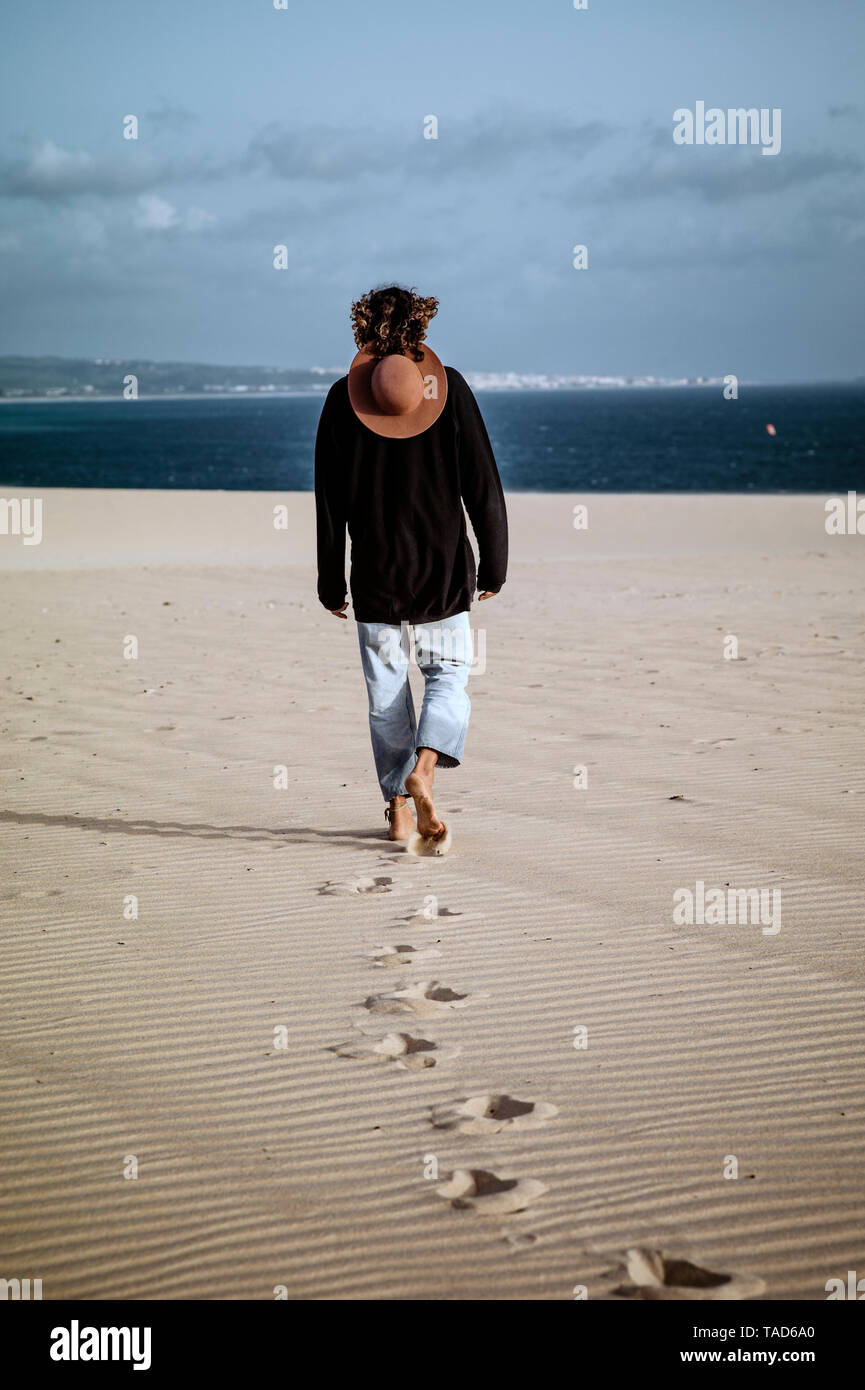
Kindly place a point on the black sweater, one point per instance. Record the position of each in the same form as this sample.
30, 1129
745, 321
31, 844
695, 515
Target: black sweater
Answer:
401, 500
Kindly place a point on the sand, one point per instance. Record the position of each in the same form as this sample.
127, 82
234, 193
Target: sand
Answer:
195, 1043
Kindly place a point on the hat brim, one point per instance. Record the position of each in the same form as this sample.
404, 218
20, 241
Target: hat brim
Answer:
413, 422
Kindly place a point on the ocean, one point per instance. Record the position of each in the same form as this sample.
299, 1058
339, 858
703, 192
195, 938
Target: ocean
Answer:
679, 439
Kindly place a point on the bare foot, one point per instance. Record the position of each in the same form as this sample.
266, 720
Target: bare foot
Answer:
400, 823
428, 823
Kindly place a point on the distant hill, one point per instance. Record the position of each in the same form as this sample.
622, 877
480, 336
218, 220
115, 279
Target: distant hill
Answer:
104, 376
42, 378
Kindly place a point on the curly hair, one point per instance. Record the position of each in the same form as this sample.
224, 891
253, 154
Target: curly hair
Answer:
392, 320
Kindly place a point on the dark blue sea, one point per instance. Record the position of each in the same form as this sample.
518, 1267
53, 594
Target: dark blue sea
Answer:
685, 439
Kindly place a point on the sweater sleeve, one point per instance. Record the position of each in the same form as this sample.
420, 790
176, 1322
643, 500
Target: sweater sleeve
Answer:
481, 488
330, 515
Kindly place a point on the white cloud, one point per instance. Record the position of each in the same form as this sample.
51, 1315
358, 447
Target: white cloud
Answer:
55, 168
156, 213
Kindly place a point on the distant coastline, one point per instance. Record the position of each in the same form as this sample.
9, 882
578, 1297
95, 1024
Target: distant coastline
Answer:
103, 398
48, 379
61, 397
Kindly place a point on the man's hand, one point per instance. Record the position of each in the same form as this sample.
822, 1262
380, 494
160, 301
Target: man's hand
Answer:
487, 593
340, 612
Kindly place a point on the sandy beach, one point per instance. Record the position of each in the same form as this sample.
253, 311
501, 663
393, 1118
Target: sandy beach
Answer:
220, 783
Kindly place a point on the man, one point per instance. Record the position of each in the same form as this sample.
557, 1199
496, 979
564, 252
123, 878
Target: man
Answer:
401, 446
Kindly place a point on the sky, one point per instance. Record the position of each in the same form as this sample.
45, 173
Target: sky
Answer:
303, 127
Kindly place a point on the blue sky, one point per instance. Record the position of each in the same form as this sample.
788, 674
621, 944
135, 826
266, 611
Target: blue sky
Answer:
304, 127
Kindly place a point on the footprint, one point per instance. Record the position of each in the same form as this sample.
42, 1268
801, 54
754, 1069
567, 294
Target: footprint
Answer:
426, 997
490, 1113
422, 919
654, 1276
401, 955
518, 1240
424, 847
352, 888
408, 1051
478, 1190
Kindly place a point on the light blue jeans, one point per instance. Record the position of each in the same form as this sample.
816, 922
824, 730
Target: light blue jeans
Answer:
443, 652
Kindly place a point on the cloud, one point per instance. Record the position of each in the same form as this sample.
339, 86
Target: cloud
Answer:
53, 174
327, 153
480, 144
155, 213
522, 134
329, 168
50, 169
170, 120
714, 174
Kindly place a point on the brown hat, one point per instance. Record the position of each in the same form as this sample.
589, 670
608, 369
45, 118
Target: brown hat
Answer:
394, 395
